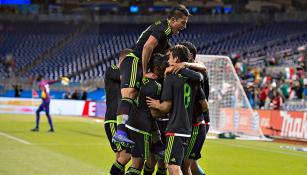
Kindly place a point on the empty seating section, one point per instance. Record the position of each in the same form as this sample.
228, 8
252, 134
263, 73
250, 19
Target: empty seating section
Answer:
89, 53
26, 41
275, 35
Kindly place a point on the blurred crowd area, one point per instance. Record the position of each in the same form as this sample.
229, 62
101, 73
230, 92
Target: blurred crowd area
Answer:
270, 87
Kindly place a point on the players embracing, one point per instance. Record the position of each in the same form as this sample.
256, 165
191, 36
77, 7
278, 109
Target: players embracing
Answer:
145, 98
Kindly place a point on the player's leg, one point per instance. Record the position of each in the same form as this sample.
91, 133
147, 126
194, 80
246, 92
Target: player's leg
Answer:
48, 116
186, 167
40, 108
131, 74
193, 152
122, 157
139, 152
162, 168
149, 166
174, 154
136, 166
174, 170
157, 145
118, 167
196, 168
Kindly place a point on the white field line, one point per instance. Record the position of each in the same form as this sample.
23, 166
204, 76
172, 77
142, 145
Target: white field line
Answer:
70, 144
15, 138
264, 149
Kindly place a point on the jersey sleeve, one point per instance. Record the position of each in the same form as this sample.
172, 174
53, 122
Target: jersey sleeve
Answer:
167, 94
53, 81
113, 74
192, 75
159, 33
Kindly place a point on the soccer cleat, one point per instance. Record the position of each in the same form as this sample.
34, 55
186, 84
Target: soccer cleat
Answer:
34, 130
51, 130
123, 140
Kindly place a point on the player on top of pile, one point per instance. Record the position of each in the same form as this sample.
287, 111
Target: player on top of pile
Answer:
152, 40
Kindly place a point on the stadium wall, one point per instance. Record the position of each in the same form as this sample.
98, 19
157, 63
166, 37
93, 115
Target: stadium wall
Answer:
57, 107
274, 123
95, 95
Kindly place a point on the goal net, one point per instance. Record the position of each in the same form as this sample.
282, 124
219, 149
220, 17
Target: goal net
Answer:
229, 107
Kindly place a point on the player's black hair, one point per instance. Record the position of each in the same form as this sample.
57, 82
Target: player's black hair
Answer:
179, 11
181, 52
191, 48
159, 60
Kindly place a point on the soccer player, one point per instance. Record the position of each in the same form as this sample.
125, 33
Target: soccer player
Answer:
140, 125
200, 123
179, 92
113, 96
43, 85
153, 40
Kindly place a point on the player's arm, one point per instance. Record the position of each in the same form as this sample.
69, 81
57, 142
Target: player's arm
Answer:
194, 66
148, 48
193, 75
53, 81
156, 113
163, 107
200, 67
201, 98
204, 105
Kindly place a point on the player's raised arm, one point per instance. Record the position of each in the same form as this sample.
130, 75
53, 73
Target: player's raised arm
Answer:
148, 48
196, 66
192, 75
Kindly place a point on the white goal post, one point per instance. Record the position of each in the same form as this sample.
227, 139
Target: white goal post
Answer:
229, 108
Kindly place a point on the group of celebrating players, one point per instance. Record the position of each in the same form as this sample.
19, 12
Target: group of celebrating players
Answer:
157, 109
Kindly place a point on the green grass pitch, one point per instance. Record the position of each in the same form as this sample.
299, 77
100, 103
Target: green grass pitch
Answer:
80, 147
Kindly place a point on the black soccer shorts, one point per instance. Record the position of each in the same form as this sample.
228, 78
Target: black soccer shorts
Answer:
142, 142
174, 153
110, 127
196, 142
131, 72
162, 124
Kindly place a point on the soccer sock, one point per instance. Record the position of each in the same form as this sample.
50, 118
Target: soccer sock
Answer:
133, 171
117, 169
200, 170
123, 111
147, 170
37, 119
161, 171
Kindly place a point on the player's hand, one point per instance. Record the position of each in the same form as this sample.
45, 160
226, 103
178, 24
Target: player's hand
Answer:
169, 70
178, 67
150, 75
152, 103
